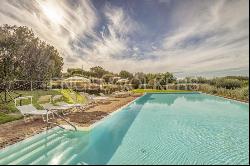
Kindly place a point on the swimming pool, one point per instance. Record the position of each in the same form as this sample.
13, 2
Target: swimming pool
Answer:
155, 129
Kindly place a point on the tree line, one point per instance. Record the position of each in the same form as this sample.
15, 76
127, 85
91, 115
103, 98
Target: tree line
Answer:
139, 78
134, 78
227, 82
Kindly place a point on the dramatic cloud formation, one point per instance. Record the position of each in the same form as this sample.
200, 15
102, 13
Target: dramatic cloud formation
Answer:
206, 37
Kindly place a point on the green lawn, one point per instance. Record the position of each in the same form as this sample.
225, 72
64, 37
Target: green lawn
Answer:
159, 91
8, 112
4, 118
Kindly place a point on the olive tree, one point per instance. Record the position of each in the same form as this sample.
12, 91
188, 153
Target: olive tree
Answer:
24, 56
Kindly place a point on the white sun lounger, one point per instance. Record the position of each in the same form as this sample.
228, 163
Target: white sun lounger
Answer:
66, 105
31, 110
99, 99
57, 97
51, 107
104, 96
75, 105
120, 94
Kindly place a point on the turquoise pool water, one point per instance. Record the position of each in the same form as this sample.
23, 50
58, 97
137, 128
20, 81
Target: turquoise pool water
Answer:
155, 129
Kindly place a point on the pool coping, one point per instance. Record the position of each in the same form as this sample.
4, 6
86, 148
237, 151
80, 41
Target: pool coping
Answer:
191, 92
92, 126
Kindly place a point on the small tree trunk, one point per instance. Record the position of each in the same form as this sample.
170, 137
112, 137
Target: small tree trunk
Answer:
31, 85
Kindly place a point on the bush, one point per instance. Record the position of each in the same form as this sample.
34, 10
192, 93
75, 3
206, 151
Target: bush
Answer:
244, 92
239, 93
227, 83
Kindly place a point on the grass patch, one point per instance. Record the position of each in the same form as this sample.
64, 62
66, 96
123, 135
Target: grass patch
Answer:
72, 97
4, 118
158, 91
6, 110
10, 107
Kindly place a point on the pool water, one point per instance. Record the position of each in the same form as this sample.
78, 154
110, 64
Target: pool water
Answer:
155, 129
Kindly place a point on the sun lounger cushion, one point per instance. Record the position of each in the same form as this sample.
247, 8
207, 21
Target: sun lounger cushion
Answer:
30, 109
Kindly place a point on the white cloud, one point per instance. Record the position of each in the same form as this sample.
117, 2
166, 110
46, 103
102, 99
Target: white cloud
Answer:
120, 21
204, 36
209, 39
114, 41
215, 38
54, 21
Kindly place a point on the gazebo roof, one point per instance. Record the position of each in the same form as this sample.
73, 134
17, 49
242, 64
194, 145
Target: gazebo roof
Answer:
78, 78
122, 81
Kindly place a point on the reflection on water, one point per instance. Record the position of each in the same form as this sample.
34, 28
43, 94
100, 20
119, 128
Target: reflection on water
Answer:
170, 99
144, 99
158, 99
105, 139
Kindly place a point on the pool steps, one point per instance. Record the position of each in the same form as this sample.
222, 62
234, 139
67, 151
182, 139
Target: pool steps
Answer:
66, 150
25, 148
75, 156
72, 153
45, 147
24, 152
11, 149
52, 152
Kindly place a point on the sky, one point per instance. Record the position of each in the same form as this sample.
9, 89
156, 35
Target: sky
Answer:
189, 38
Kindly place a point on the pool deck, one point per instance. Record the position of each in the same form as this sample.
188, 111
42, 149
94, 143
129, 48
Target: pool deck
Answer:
19, 130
